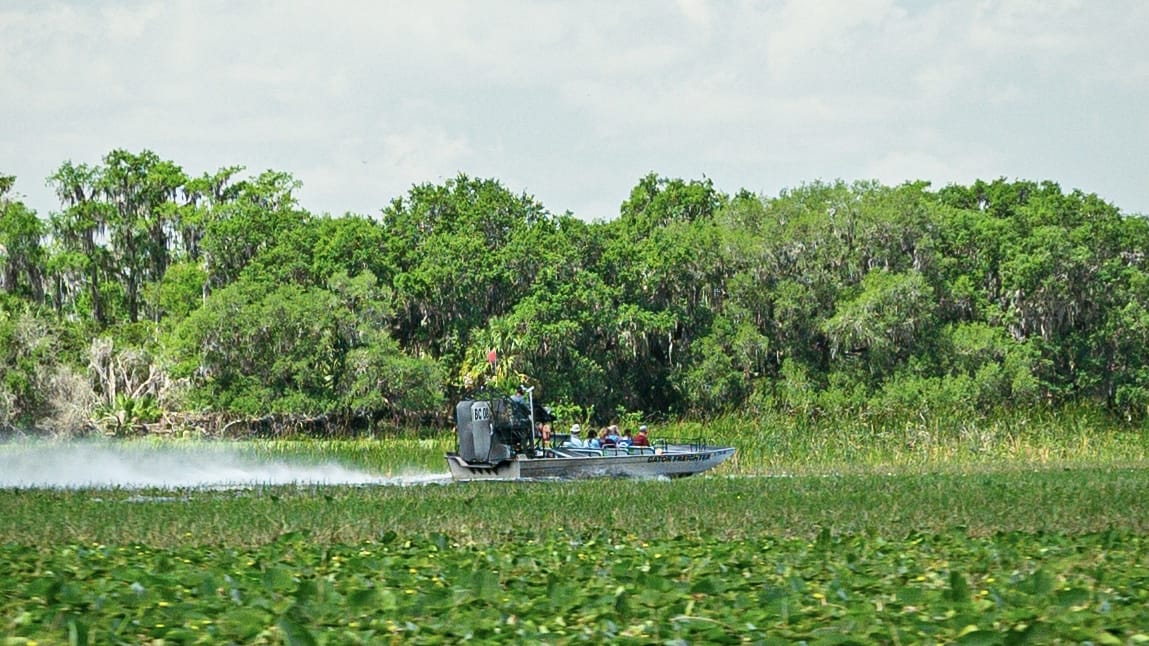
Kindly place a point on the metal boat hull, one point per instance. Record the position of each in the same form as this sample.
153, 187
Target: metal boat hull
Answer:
669, 464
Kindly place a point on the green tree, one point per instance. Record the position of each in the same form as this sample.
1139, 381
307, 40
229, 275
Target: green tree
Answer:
255, 348
179, 293
459, 260
140, 191
664, 254
321, 247
725, 366
80, 260
22, 256
258, 214
201, 195
884, 323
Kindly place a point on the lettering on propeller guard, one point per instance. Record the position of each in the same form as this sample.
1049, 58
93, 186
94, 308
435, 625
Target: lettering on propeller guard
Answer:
691, 457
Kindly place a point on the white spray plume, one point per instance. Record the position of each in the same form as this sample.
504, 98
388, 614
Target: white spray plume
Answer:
83, 465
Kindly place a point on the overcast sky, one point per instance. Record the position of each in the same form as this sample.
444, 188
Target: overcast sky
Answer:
574, 101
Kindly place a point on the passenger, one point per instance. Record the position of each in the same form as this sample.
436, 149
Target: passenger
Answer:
575, 441
592, 442
606, 440
641, 439
612, 434
626, 441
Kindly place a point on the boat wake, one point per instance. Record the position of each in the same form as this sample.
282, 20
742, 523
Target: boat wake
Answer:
99, 465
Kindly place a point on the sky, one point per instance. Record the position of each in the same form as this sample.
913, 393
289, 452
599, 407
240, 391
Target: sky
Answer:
573, 101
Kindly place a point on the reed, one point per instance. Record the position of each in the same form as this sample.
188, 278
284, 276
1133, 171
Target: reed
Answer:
778, 444
983, 501
1012, 530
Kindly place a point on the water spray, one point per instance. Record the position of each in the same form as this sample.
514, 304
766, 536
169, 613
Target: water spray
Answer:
88, 465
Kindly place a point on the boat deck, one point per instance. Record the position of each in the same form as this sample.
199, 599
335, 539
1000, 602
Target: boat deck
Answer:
664, 459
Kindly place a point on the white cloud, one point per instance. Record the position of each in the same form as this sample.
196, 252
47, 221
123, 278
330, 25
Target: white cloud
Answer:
819, 32
941, 168
128, 23
575, 101
696, 11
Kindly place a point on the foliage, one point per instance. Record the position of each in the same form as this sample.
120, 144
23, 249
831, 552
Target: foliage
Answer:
256, 348
22, 255
180, 292
1066, 472
30, 347
880, 301
430, 589
970, 554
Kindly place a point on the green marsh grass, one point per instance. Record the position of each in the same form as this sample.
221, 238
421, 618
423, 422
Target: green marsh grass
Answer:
775, 444
1030, 529
387, 457
1066, 501
1070, 474
781, 445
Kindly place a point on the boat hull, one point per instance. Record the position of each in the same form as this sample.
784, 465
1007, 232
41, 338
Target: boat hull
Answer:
668, 464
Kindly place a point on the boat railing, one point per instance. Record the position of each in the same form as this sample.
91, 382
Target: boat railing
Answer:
656, 446
610, 451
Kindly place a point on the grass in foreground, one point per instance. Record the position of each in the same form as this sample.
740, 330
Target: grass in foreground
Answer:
1041, 539
1072, 501
947, 587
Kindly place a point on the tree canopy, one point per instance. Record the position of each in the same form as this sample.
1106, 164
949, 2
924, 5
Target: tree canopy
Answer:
163, 293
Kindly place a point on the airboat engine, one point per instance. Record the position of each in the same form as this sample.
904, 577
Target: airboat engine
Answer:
490, 431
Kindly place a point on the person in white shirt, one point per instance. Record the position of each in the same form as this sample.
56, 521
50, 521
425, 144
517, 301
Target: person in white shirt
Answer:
575, 441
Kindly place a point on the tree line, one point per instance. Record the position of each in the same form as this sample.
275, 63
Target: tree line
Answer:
153, 298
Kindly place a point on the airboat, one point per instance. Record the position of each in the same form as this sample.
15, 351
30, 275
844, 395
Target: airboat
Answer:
498, 440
